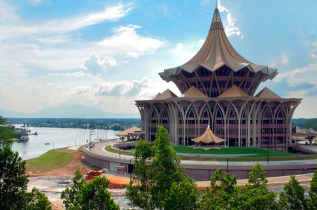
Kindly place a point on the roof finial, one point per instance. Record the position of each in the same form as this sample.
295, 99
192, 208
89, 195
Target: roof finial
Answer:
216, 20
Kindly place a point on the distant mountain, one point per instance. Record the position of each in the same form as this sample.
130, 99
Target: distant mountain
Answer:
68, 111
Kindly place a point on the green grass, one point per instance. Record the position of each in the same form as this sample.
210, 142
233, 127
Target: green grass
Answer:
233, 150
50, 160
261, 154
110, 149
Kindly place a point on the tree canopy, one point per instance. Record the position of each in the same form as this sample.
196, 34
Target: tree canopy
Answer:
293, 196
158, 177
92, 195
13, 180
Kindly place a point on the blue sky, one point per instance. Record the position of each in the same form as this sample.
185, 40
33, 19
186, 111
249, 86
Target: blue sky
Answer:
106, 54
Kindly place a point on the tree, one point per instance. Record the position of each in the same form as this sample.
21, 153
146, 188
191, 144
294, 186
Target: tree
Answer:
69, 194
35, 200
257, 176
13, 180
157, 177
256, 195
312, 202
184, 195
141, 182
6, 134
92, 195
293, 195
166, 165
222, 194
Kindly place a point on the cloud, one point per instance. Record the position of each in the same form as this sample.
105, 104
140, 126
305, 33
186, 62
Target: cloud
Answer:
128, 41
284, 59
231, 28
187, 50
37, 2
122, 88
8, 11
111, 13
97, 65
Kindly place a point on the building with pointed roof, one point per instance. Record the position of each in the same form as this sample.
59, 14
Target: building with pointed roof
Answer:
208, 137
218, 87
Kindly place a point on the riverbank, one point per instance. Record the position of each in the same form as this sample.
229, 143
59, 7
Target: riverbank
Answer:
54, 138
53, 182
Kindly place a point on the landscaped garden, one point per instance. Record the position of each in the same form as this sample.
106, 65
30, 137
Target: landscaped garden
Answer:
234, 154
255, 152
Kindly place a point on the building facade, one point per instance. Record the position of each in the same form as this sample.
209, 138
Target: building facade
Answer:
218, 89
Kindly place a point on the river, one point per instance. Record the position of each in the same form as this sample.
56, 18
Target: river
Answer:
57, 138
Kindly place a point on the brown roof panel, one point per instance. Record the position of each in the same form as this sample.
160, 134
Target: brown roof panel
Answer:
165, 95
193, 92
267, 93
234, 91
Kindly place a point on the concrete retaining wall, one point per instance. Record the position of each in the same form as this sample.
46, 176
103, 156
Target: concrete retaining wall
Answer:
202, 171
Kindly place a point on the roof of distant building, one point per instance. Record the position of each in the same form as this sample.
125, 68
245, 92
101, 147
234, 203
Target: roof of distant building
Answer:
128, 131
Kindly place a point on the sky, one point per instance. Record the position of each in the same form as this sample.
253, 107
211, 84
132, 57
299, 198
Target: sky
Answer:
107, 53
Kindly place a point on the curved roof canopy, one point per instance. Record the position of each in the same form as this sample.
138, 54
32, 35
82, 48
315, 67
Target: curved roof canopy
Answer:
208, 137
217, 52
128, 131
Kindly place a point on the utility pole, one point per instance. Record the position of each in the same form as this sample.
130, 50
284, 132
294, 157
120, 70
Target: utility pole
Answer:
268, 156
90, 134
227, 164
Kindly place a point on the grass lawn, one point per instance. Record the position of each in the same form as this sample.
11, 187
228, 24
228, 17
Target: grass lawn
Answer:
110, 149
233, 150
50, 160
260, 154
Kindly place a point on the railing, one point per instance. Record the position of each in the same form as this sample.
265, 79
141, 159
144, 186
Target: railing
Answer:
105, 154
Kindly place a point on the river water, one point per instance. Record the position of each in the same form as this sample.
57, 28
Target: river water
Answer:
57, 138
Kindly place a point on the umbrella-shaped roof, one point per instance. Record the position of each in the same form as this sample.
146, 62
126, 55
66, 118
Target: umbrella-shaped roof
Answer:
208, 137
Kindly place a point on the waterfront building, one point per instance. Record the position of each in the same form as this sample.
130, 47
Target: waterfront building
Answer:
218, 89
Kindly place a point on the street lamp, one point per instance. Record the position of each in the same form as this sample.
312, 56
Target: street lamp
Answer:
90, 134
268, 156
227, 164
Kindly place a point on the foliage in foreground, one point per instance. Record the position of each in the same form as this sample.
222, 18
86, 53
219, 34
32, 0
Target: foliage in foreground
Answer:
293, 196
159, 182
92, 195
158, 179
13, 180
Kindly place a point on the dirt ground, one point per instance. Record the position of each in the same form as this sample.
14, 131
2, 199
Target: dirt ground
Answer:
53, 182
68, 170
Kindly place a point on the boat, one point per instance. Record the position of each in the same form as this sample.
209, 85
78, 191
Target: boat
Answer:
24, 138
47, 143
